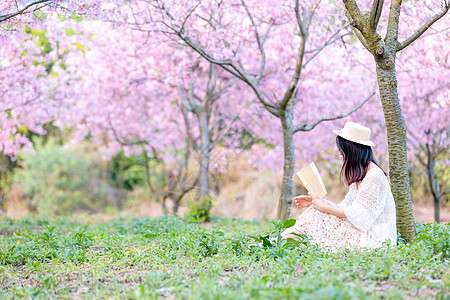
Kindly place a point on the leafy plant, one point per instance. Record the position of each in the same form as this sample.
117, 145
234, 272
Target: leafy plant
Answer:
273, 245
435, 236
199, 211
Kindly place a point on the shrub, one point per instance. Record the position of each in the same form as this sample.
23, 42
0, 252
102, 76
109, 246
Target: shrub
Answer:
199, 211
127, 171
60, 181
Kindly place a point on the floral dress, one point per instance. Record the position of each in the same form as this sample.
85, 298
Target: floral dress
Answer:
370, 222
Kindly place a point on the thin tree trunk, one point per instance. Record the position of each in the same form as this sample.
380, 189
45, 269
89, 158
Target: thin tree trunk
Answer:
396, 133
176, 205
148, 176
164, 205
285, 201
433, 183
203, 188
437, 209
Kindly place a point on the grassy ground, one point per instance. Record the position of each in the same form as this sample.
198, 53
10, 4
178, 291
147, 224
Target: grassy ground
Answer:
170, 257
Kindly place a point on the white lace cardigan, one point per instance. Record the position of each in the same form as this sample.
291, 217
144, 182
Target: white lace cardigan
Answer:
371, 209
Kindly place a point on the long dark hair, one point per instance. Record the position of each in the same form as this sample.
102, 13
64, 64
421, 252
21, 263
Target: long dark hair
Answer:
356, 159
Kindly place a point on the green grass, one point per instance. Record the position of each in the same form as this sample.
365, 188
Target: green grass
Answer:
170, 257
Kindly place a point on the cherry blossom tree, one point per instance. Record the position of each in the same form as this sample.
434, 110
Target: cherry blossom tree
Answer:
63, 91
149, 97
265, 45
34, 81
19, 12
289, 66
10, 9
433, 151
424, 76
213, 120
121, 104
365, 19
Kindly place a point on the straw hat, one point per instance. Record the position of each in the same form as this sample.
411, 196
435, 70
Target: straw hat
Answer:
355, 132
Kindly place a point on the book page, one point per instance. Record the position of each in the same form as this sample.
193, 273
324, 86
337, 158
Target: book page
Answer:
310, 178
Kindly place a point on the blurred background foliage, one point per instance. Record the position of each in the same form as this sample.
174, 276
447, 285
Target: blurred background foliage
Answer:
62, 179
127, 172
59, 180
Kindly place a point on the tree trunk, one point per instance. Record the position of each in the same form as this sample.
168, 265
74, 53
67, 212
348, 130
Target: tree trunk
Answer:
203, 188
164, 205
433, 183
285, 201
396, 132
437, 209
176, 205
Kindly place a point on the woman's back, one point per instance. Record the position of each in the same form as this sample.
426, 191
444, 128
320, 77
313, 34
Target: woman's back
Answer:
370, 207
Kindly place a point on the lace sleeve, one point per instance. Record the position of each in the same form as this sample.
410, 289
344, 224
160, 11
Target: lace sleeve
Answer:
367, 205
347, 199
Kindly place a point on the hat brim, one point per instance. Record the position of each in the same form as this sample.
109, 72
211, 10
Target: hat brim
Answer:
352, 139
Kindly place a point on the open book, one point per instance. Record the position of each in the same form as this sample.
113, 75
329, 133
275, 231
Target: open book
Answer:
310, 178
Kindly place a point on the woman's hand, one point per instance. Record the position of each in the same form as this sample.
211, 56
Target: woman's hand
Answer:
320, 205
317, 203
303, 201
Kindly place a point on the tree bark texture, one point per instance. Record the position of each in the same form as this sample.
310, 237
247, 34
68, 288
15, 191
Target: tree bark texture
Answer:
396, 134
285, 201
203, 187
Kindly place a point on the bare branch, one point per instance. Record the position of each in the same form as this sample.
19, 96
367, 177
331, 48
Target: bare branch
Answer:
226, 64
299, 64
229, 66
187, 17
299, 18
425, 27
311, 13
305, 127
269, 26
357, 32
421, 160
222, 132
269, 106
375, 13
352, 7
212, 81
361, 38
296, 76
216, 95
187, 189
330, 41
391, 38
35, 4
436, 152
263, 53
258, 39
122, 141
444, 193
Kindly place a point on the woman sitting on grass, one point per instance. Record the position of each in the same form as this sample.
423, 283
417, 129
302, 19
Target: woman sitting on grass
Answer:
366, 216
